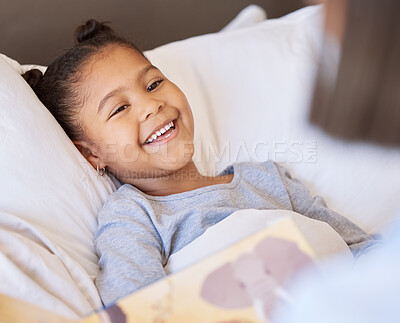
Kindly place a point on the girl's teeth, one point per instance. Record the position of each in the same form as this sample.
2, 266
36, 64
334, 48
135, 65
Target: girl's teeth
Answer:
160, 132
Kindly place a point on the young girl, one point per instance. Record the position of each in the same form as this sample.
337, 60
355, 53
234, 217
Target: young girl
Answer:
128, 119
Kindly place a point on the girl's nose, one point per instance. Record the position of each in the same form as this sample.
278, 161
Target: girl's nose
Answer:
149, 107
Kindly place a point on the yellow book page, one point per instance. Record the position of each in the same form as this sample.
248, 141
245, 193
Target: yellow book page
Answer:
13, 310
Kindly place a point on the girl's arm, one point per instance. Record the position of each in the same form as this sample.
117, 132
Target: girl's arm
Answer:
129, 248
316, 208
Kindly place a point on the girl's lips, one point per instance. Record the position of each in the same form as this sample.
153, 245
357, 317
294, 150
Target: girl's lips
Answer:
170, 134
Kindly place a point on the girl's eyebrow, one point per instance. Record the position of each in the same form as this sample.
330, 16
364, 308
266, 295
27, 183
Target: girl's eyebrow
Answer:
145, 70
120, 89
108, 96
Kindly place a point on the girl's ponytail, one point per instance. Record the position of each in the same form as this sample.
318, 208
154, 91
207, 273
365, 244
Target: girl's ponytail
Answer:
91, 29
33, 77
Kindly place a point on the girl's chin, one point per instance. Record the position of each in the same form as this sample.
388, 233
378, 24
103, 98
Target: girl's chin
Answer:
173, 151
173, 165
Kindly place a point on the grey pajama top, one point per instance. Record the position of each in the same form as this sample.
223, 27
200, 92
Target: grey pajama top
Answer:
138, 232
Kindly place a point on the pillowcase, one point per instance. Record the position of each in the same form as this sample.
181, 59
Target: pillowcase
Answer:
50, 196
250, 92
249, 16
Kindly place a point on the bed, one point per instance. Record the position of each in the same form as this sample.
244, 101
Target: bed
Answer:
249, 85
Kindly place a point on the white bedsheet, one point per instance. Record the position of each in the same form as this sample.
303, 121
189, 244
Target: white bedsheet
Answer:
34, 269
322, 238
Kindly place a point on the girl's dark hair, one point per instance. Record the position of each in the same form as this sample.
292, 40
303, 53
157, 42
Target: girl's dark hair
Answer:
58, 87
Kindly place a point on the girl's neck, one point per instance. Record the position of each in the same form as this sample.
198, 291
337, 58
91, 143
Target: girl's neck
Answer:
185, 179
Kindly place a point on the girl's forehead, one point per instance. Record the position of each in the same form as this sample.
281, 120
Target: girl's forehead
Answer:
115, 60
117, 50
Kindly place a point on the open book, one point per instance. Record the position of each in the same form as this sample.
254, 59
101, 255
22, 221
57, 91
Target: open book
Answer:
242, 283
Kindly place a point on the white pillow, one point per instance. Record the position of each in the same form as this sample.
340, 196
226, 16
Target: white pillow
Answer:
49, 198
249, 16
250, 91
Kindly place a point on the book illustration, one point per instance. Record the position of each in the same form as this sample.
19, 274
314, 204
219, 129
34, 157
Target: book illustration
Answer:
256, 278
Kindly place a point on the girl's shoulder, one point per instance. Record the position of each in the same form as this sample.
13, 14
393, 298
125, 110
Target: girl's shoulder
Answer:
126, 191
126, 195
252, 167
262, 173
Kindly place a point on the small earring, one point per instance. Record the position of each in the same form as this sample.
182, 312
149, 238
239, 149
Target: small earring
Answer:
101, 171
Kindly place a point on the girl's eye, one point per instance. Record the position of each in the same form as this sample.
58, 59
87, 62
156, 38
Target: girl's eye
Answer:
122, 108
154, 85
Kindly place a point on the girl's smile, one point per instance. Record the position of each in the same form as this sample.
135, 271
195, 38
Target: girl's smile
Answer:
163, 133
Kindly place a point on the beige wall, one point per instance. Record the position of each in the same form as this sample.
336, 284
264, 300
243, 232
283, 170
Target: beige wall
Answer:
35, 31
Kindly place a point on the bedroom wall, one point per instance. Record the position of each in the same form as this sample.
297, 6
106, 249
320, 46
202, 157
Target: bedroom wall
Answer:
37, 31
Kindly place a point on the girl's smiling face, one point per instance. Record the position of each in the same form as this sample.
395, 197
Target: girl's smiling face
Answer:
137, 123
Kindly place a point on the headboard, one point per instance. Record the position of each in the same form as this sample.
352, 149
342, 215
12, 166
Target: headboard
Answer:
37, 31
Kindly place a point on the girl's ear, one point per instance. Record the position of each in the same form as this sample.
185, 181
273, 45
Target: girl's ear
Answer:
87, 152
